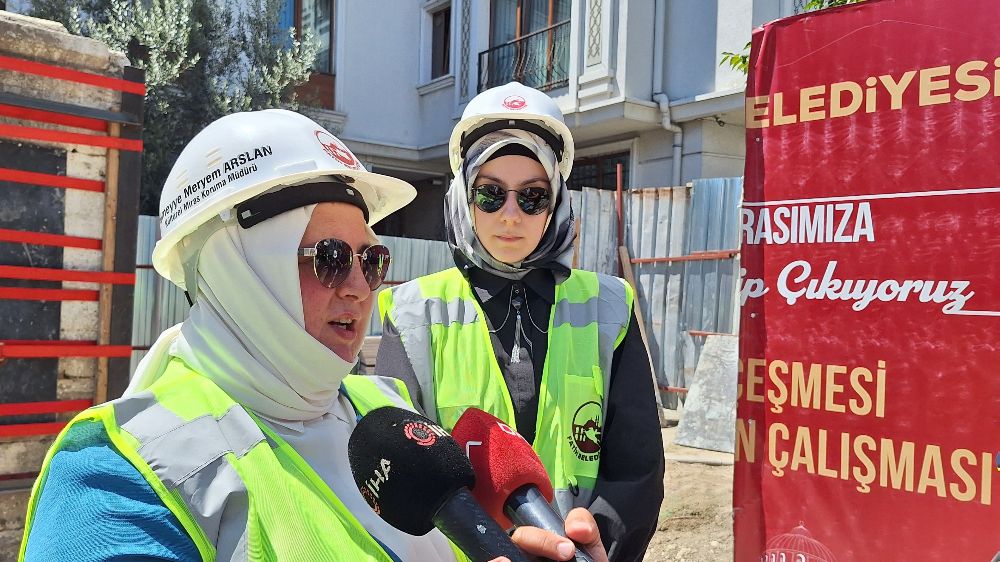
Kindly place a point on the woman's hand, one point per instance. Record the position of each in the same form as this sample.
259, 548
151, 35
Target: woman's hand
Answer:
580, 528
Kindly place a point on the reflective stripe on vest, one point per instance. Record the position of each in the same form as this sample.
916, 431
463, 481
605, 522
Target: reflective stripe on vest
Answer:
366, 393
225, 475
447, 341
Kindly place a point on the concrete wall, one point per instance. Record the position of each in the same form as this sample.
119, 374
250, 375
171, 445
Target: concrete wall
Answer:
378, 71
78, 213
732, 32
770, 10
691, 55
697, 35
710, 151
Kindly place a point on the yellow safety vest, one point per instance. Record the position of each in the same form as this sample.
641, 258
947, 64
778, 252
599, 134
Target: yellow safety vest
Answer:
185, 429
447, 341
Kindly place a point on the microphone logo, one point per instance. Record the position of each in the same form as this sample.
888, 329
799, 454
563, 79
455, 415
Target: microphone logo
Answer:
369, 497
586, 437
423, 434
372, 486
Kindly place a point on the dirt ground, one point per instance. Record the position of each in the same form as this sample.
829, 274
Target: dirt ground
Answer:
696, 516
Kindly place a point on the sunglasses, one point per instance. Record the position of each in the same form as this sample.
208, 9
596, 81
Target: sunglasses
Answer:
333, 259
491, 197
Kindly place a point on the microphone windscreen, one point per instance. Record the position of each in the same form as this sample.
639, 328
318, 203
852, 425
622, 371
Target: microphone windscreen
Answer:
503, 461
406, 466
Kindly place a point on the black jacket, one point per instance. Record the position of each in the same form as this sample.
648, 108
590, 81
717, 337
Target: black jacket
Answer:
629, 488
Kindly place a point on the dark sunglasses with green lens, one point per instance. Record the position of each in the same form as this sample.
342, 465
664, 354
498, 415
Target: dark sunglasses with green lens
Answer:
333, 259
491, 197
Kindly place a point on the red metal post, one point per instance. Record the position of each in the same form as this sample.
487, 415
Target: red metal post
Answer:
694, 256
618, 204
618, 210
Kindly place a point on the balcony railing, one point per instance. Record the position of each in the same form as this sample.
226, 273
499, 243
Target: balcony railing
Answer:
539, 59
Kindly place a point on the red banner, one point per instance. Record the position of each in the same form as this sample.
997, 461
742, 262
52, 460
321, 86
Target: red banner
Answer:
869, 383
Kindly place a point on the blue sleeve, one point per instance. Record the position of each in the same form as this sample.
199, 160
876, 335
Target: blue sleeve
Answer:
95, 506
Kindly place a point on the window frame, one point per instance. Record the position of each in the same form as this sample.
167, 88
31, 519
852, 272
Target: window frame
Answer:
523, 43
519, 22
598, 160
320, 85
427, 81
333, 32
434, 12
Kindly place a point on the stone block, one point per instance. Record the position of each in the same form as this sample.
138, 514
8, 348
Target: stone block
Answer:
709, 420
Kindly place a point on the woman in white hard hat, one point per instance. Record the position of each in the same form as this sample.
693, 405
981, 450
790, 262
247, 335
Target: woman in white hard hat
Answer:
513, 330
231, 441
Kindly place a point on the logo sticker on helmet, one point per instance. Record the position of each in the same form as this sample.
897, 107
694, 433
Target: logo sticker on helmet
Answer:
585, 439
337, 150
515, 103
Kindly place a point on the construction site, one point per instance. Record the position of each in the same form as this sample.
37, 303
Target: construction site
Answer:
809, 330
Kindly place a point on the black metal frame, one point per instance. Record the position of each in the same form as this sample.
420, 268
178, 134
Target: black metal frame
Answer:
126, 213
515, 60
126, 225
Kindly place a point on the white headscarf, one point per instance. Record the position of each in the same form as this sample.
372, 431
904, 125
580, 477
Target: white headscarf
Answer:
554, 250
246, 331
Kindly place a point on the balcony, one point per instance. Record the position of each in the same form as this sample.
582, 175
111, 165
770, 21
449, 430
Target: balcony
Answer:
539, 59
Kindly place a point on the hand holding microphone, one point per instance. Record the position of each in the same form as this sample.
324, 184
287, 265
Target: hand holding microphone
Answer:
511, 482
416, 477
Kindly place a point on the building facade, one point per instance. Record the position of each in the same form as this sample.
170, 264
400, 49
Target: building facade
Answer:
639, 81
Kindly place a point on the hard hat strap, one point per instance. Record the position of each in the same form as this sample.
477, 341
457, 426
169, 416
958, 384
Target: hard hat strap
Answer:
263, 207
553, 140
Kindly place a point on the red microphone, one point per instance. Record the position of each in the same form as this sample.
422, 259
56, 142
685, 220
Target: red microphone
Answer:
511, 482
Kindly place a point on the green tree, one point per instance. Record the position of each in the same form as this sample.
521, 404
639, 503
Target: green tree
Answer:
260, 64
76, 15
203, 59
741, 61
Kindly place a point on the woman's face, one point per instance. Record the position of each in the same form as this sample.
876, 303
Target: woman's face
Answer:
337, 317
510, 234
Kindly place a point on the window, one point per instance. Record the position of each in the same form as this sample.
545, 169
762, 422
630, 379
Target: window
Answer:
529, 42
512, 19
315, 16
440, 42
599, 171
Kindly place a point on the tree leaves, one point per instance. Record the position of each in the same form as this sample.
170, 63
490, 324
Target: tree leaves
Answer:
737, 61
203, 59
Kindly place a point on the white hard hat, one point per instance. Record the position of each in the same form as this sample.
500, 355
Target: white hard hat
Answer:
243, 155
512, 106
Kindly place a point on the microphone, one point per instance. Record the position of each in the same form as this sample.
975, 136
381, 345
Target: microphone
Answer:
416, 477
511, 482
